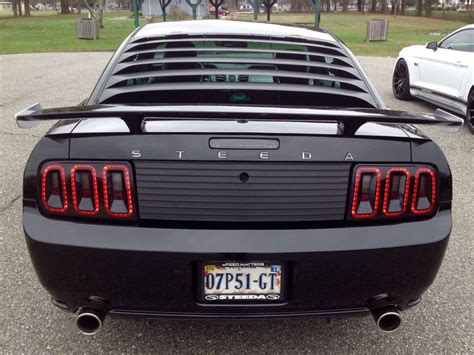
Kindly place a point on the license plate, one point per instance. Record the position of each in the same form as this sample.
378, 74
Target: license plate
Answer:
235, 281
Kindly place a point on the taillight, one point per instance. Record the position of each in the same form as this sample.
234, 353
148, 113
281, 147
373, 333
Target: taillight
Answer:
84, 189
53, 189
381, 192
397, 188
366, 192
95, 190
117, 191
424, 196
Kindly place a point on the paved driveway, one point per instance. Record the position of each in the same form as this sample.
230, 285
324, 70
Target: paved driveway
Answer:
442, 322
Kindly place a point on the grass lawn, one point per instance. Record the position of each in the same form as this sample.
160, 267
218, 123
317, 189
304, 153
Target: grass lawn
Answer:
351, 28
56, 33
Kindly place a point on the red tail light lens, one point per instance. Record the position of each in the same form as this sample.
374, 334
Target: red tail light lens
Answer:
366, 199
117, 191
424, 195
397, 188
394, 188
84, 190
53, 189
95, 190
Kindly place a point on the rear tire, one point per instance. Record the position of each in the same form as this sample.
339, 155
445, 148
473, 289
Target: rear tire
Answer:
470, 111
401, 81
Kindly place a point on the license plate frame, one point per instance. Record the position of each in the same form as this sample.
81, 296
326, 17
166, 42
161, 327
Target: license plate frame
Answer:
282, 296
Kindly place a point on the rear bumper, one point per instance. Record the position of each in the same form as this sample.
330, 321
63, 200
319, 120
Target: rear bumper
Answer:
153, 272
251, 315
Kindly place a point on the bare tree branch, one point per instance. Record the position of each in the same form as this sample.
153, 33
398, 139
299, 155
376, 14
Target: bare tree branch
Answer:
216, 5
90, 9
164, 4
268, 7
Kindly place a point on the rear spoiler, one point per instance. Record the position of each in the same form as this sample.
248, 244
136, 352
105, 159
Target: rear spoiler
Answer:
350, 120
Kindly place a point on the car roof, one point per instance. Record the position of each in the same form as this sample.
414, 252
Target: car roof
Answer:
203, 27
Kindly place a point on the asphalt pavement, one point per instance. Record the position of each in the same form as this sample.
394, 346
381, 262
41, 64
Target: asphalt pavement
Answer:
443, 322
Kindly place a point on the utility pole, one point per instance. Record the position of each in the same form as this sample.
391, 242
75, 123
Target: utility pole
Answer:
135, 13
317, 12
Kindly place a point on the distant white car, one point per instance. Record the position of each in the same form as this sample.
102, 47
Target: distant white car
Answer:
246, 8
40, 7
440, 72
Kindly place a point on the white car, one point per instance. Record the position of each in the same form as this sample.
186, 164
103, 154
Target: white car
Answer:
246, 8
440, 72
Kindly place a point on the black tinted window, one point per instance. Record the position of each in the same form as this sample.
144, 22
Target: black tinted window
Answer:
461, 41
234, 70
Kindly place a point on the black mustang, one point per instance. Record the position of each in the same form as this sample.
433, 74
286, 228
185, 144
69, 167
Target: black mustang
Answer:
229, 170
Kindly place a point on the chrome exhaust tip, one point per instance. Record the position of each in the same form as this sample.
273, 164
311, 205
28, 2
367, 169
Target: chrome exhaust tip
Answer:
387, 318
89, 322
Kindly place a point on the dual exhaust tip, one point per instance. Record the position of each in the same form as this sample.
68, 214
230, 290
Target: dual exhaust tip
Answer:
387, 318
90, 322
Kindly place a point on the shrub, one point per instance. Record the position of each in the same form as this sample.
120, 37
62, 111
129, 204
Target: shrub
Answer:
178, 14
467, 17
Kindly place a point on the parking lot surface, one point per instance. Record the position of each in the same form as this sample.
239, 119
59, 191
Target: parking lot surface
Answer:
29, 323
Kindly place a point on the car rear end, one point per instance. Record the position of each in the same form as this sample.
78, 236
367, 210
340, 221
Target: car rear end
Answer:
230, 213
142, 236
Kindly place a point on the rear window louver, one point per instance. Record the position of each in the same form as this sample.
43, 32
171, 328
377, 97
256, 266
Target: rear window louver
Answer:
231, 69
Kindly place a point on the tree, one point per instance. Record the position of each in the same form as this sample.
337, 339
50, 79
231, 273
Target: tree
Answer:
328, 5
77, 4
428, 4
216, 4
15, 8
361, 6
419, 7
344, 5
194, 5
299, 6
395, 7
402, 7
163, 5
384, 6
96, 10
268, 7
256, 8
65, 7
27, 7
373, 6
